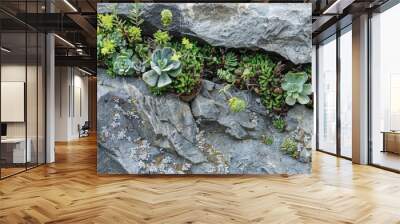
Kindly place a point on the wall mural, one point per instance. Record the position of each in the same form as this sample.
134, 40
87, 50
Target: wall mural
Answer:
199, 88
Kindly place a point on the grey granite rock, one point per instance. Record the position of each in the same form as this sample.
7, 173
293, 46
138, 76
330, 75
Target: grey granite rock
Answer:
141, 133
284, 29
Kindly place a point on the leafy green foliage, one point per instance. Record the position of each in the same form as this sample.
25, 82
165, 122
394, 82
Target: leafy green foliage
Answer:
163, 68
268, 140
230, 61
186, 43
192, 64
117, 41
289, 147
226, 75
236, 104
142, 50
161, 37
279, 124
272, 98
123, 49
297, 90
185, 83
158, 91
245, 74
166, 17
229, 64
135, 15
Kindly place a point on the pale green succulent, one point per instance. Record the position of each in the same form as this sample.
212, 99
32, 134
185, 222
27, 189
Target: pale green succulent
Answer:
127, 64
236, 104
297, 90
163, 68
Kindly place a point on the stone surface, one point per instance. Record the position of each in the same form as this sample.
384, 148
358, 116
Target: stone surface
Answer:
284, 29
139, 133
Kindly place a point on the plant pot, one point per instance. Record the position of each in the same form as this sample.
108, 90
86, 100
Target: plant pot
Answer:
187, 97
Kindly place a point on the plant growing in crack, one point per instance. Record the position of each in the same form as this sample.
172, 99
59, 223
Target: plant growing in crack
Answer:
268, 140
163, 68
279, 124
289, 146
236, 104
297, 90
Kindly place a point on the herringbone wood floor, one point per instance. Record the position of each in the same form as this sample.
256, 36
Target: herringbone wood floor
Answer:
70, 191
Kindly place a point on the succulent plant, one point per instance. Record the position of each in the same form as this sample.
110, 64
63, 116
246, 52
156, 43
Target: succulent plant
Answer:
166, 17
161, 37
279, 124
106, 21
126, 64
289, 147
297, 90
135, 34
268, 140
236, 104
162, 68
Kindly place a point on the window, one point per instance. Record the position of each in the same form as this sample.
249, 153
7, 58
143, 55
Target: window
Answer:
346, 93
385, 89
327, 95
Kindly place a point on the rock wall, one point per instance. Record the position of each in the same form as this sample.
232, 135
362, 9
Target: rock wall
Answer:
281, 28
139, 133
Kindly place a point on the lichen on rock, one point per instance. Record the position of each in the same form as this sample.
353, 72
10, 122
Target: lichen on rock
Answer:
144, 134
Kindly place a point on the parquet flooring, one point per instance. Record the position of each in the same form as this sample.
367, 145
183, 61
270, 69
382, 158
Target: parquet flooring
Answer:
70, 191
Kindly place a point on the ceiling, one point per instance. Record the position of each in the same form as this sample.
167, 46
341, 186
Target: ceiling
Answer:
330, 15
74, 21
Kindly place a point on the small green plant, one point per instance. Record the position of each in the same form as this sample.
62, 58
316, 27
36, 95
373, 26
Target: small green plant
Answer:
192, 64
135, 15
236, 104
245, 74
230, 61
161, 37
185, 83
158, 91
107, 47
226, 76
186, 43
142, 50
297, 90
125, 64
272, 100
268, 140
135, 34
279, 124
229, 64
166, 17
163, 68
106, 21
289, 147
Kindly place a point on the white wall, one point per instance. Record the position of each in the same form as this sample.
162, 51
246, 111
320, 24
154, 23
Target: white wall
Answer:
71, 94
33, 126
